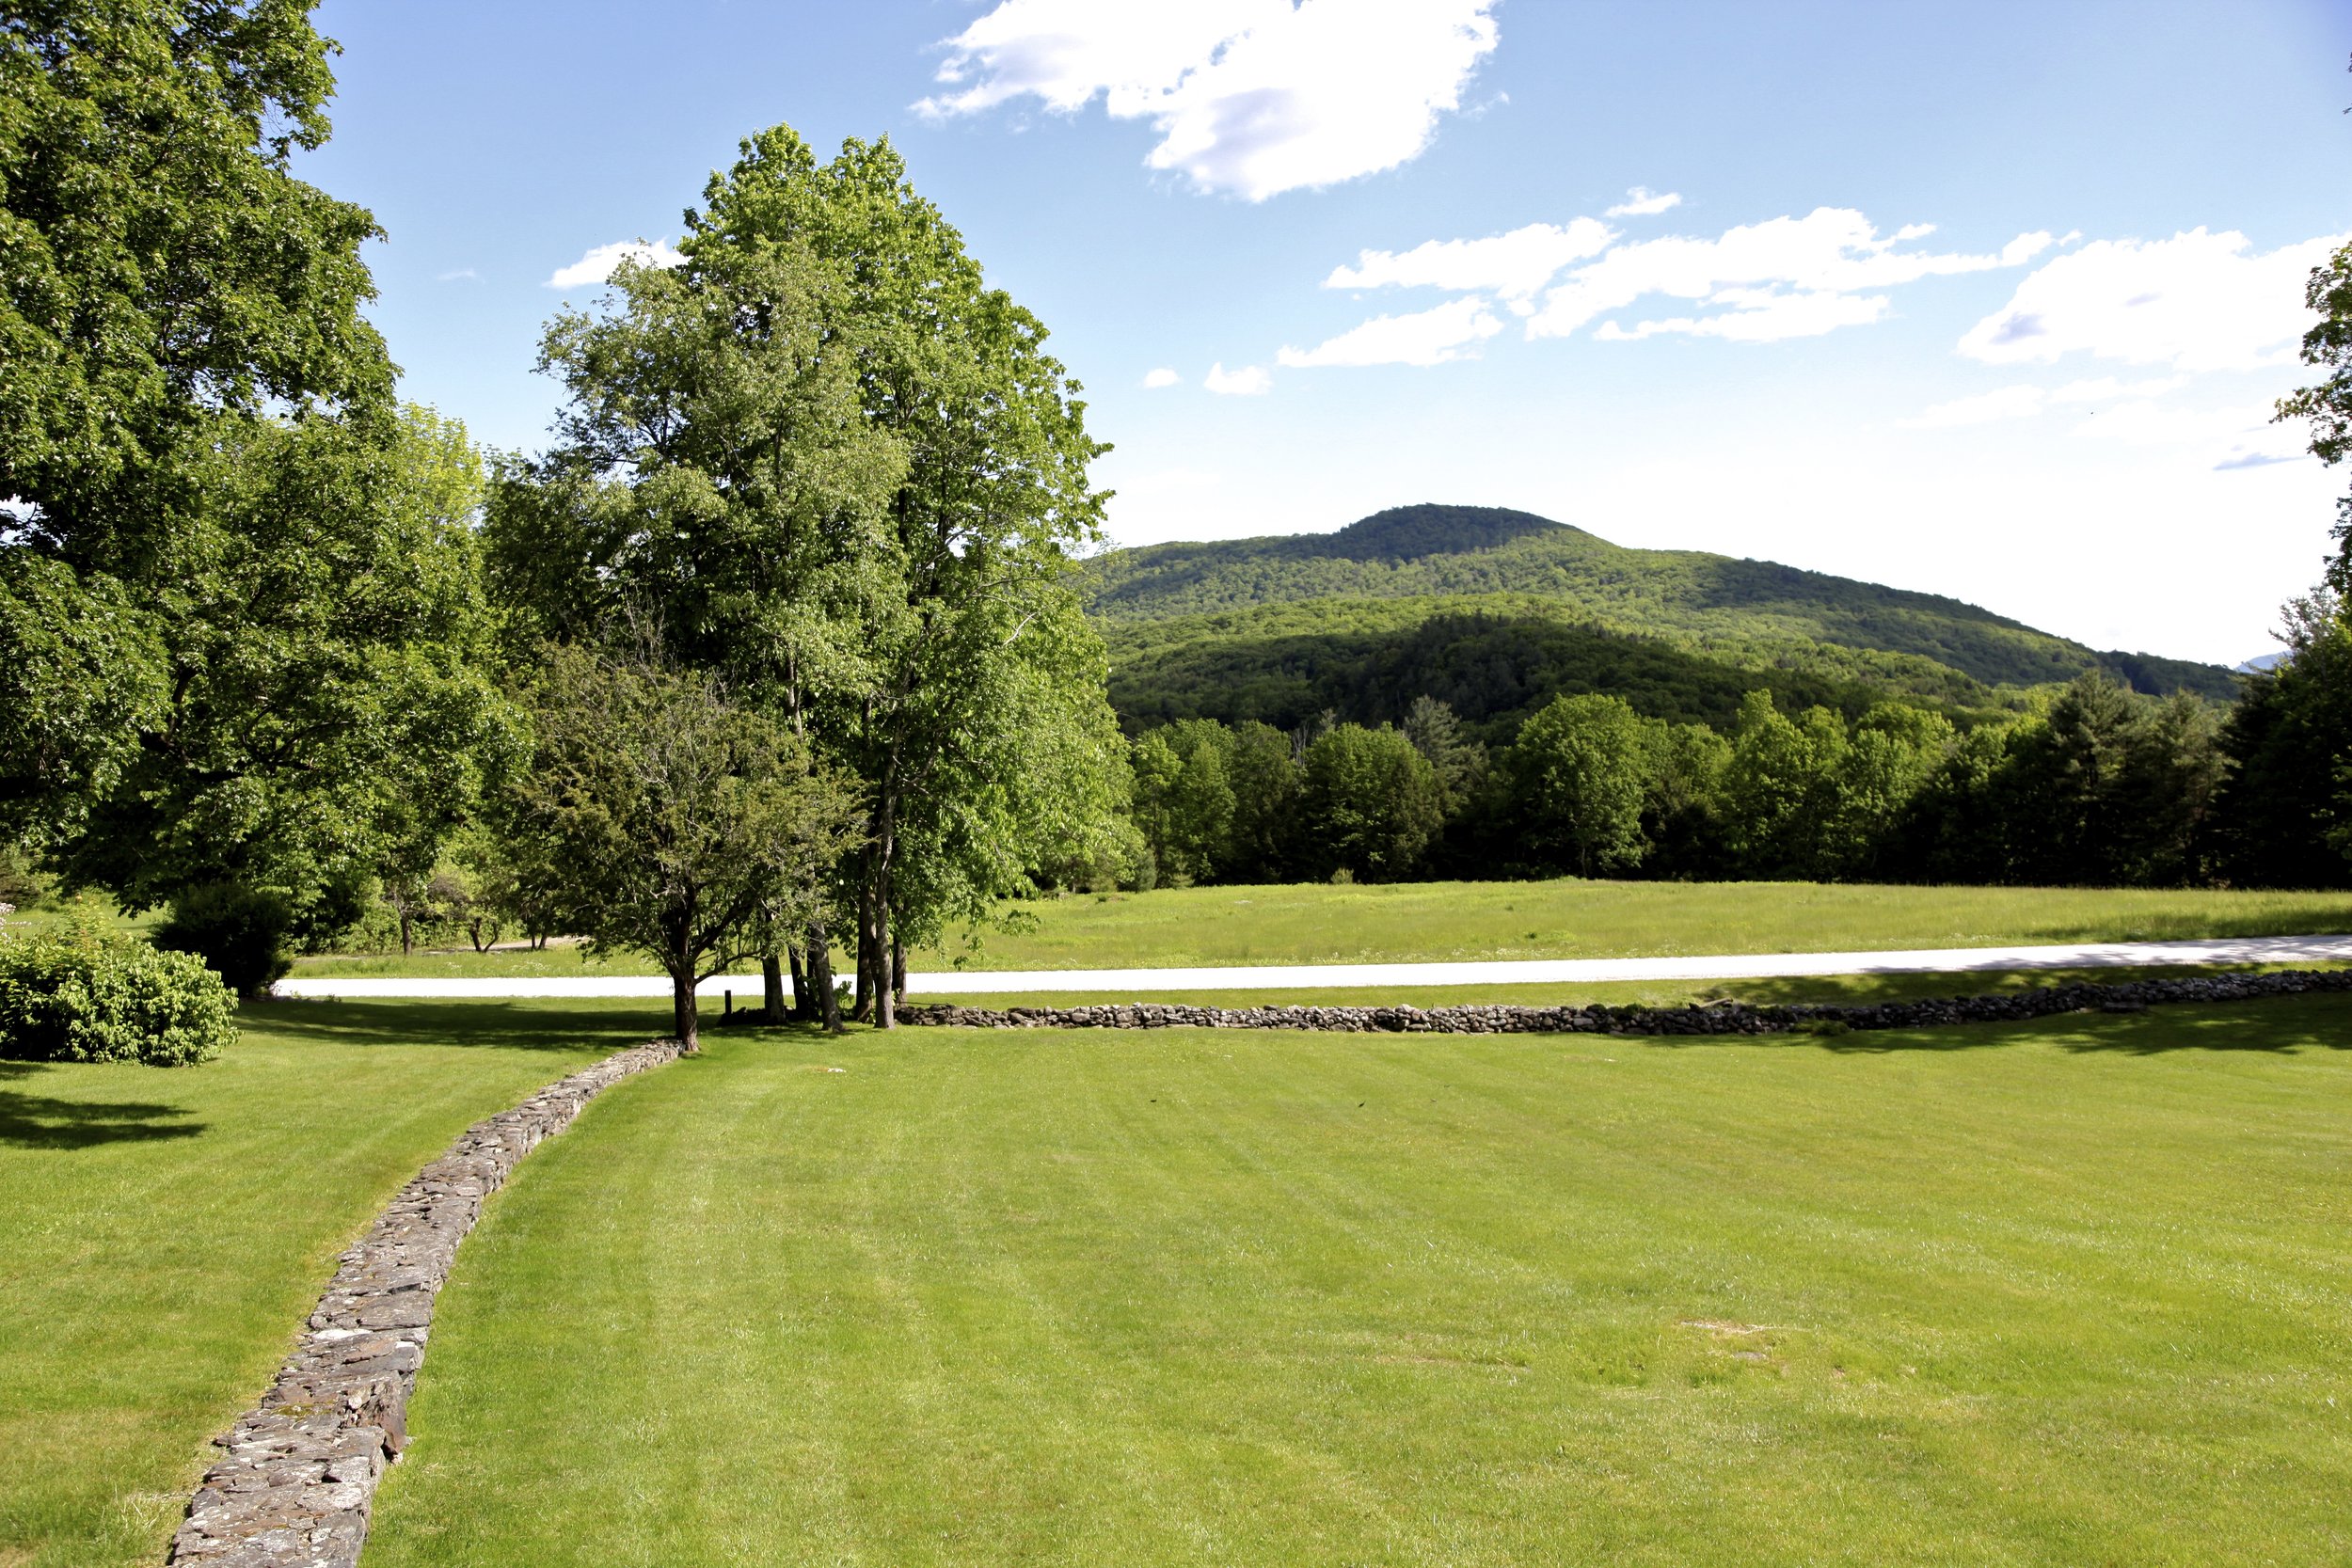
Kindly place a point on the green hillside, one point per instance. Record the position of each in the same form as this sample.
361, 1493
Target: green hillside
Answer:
1507, 608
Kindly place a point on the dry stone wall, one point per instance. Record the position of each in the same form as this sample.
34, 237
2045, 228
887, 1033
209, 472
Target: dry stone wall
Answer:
298, 1479
1718, 1018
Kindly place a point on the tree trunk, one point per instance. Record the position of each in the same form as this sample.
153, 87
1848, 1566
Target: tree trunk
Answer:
897, 969
404, 934
804, 1008
683, 1022
820, 977
867, 957
772, 989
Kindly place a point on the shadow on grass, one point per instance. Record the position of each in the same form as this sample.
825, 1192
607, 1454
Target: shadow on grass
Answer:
38, 1121
572, 1028
2280, 1025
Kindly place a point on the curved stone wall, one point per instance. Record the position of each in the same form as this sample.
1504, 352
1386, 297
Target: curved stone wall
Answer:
301, 1467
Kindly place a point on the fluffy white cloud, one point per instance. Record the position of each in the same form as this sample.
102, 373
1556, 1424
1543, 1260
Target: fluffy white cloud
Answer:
1255, 97
1423, 338
600, 263
2196, 302
1514, 265
1786, 278
1642, 202
457, 274
1249, 382
1161, 377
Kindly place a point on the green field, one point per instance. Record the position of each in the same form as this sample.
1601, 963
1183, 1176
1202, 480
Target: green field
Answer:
163, 1232
2071, 1292
1430, 922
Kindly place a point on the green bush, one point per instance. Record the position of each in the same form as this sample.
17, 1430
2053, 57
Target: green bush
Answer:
77, 997
244, 935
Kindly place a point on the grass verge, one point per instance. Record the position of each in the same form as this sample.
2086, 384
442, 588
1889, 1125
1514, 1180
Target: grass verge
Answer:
2062, 1293
164, 1231
1440, 922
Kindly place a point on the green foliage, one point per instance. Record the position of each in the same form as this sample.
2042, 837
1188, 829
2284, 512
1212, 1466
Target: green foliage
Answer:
164, 277
666, 818
74, 996
1370, 805
240, 932
1183, 799
1579, 777
2283, 816
329, 713
1749, 613
2328, 402
1371, 660
82, 674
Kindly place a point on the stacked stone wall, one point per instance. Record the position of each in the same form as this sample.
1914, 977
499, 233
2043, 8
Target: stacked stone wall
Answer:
299, 1475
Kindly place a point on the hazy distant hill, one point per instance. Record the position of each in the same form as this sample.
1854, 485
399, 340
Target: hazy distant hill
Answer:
1496, 602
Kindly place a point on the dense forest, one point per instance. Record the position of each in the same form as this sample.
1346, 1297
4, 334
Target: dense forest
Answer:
2096, 785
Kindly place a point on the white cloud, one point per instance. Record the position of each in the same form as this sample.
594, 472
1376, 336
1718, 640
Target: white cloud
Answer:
1424, 338
1255, 97
1786, 278
2196, 302
1249, 382
600, 263
1514, 265
1760, 316
455, 275
1642, 202
1161, 377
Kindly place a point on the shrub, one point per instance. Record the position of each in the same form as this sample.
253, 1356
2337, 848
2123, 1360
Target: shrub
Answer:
81, 998
241, 933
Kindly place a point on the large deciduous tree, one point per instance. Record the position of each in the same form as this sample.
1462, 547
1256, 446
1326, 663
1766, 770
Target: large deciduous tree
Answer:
839, 470
1580, 775
238, 603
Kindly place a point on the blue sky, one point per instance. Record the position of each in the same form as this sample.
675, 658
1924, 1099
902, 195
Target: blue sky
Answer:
1985, 299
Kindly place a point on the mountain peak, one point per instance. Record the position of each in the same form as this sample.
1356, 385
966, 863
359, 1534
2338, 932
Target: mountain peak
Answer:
1413, 532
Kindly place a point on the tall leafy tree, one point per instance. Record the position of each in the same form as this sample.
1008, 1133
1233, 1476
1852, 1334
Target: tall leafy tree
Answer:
978, 535
1580, 772
1369, 803
238, 581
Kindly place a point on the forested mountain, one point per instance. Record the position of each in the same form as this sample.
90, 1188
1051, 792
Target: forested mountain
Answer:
1495, 611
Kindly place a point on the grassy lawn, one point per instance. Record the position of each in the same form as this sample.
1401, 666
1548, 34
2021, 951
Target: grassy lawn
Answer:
1567, 919
2070, 1292
163, 1233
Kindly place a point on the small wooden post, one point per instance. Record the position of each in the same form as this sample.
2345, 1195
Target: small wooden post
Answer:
730, 996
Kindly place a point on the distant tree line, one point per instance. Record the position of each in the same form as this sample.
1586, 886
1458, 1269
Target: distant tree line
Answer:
2098, 785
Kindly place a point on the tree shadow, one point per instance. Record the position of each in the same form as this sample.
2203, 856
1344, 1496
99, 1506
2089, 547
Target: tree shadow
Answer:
2276, 1026
572, 1028
38, 1121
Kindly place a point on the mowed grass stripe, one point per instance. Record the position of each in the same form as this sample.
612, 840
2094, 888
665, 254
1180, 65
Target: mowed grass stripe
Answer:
2056, 1293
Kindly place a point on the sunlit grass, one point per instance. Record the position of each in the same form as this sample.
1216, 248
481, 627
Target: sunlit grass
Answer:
1437, 921
163, 1233
2067, 1292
